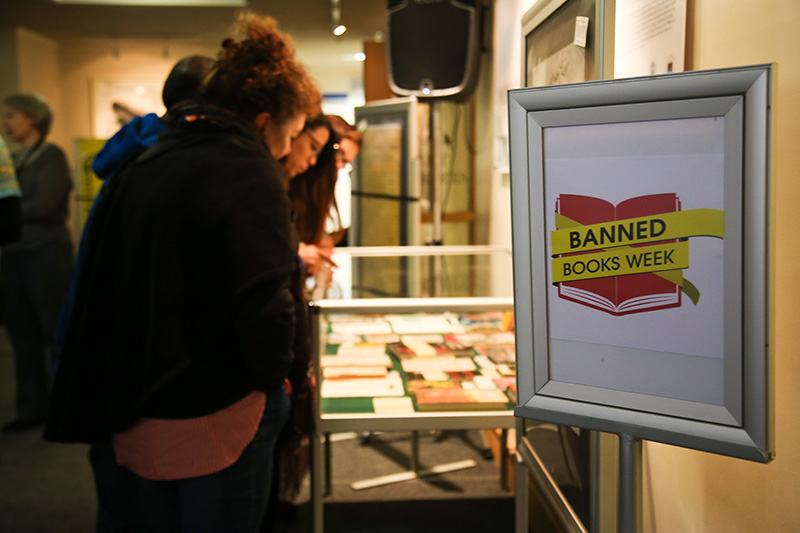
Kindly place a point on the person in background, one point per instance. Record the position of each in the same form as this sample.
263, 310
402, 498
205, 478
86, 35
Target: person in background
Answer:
37, 268
311, 179
349, 141
10, 220
183, 330
132, 139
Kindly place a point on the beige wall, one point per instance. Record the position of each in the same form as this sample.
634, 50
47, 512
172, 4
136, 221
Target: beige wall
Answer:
31, 64
694, 491
8, 66
39, 71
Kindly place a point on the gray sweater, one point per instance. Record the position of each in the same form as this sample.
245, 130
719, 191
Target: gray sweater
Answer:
45, 183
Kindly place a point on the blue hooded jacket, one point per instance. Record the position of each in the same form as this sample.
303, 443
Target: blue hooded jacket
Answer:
131, 140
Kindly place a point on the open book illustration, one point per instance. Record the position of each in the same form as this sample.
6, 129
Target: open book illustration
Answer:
621, 294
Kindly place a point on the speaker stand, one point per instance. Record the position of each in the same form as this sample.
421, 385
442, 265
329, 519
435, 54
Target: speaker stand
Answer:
435, 141
436, 169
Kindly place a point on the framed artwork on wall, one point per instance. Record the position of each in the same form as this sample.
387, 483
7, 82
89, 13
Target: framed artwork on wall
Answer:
562, 42
649, 37
116, 102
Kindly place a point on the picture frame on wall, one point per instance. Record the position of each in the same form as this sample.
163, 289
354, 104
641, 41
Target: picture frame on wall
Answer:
649, 37
562, 42
115, 102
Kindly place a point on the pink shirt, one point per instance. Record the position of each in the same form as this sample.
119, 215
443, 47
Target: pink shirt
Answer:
176, 449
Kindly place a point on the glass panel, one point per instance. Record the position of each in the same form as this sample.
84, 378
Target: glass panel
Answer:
433, 272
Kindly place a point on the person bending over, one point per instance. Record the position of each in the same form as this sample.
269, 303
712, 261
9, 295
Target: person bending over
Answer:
183, 329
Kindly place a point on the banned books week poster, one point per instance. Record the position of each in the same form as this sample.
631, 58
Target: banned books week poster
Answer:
635, 235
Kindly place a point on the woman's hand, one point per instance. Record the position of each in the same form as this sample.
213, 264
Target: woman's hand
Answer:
316, 256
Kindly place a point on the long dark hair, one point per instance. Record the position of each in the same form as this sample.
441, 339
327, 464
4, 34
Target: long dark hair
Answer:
312, 192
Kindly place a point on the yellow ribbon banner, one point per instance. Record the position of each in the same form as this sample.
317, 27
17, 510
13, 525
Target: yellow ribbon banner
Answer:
574, 237
622, 261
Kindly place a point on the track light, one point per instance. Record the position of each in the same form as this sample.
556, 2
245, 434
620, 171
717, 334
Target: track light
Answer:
336, 19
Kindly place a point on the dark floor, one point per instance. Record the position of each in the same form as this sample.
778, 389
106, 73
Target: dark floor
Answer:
47, 487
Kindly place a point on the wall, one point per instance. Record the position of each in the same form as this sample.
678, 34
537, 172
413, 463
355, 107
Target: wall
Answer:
694, 491
31, 64
40, 72
9, 75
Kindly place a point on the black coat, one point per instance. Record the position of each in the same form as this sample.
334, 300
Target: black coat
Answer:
185, 303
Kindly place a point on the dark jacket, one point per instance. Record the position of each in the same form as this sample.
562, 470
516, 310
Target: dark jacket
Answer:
10, 219
44, 180
123, 147
184, 305
131, 140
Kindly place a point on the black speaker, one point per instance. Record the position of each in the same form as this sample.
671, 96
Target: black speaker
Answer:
433, 47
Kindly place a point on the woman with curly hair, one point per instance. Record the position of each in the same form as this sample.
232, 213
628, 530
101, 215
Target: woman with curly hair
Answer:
183, 330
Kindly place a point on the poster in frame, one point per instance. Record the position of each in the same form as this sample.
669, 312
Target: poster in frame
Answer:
615, 333
116, 101
562, 42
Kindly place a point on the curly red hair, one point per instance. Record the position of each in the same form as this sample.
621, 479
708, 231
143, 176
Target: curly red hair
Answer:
259, 73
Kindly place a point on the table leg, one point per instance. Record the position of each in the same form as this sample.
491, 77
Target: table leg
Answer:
521, 497
328, 481
414, 460
504, 459
318, 468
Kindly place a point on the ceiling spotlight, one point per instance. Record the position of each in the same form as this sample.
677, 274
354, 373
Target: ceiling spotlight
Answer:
360, 56
336, 18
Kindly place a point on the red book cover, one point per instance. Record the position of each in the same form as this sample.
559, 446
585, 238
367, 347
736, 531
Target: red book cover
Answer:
619, 295
456, 399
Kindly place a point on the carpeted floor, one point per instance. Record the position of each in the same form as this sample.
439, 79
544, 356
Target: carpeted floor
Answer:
48, 488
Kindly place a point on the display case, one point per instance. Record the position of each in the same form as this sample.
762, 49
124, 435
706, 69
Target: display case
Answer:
412, 339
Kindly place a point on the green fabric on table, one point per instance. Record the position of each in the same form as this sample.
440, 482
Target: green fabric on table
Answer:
337, 406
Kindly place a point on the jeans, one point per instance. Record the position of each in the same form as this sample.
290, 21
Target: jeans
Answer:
231, 500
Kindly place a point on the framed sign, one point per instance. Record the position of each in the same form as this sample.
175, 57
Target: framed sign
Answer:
562, 42
385, 192
649, 37
640, 217
118, 101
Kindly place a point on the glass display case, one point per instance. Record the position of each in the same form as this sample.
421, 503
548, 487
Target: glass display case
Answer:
412, 339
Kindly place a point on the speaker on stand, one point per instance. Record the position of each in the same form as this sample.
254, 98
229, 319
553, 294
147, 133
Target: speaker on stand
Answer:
433, 47
433, 52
